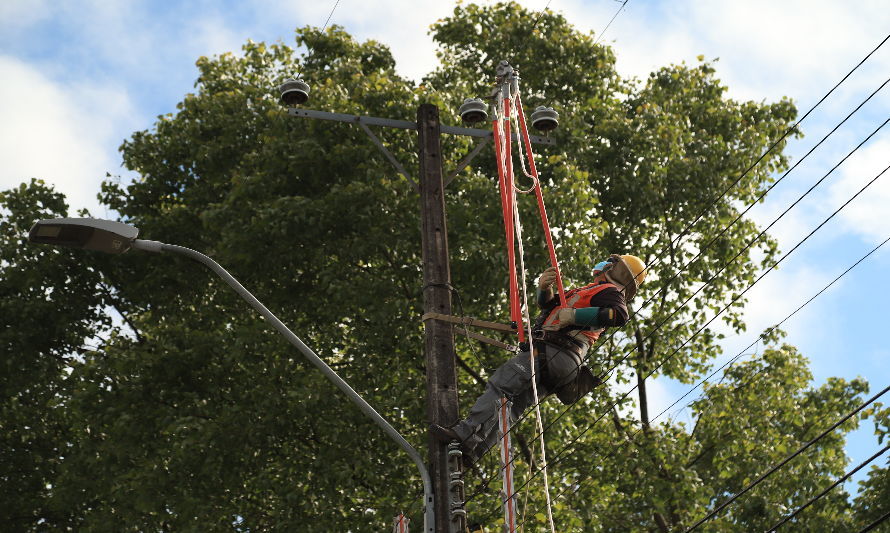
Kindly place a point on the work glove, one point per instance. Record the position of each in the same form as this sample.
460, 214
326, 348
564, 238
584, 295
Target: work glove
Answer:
565, 317
547, 279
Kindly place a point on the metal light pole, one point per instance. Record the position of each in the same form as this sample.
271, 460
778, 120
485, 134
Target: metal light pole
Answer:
116, 237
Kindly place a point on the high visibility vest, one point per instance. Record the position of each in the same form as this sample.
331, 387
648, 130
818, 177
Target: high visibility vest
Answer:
580, 298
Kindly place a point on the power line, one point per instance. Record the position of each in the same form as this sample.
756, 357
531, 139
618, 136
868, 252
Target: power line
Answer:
749, 207
785, 134
785, 461
538, 18
620, 9
770, 330
560, 455
796, 246
714, 276
534, 25
829, 488
331, 14
876, 523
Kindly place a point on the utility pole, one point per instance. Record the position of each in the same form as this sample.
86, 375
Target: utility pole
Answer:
441, 376
441, 384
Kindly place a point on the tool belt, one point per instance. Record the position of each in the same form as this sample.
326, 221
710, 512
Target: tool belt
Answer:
559, 340
563, 371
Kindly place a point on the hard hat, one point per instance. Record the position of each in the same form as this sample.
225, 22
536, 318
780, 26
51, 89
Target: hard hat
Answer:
637, 268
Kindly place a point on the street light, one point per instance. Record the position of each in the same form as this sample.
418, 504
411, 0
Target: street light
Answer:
116, 237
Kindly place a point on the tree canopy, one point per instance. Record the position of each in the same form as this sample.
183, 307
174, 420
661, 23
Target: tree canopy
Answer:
139, 392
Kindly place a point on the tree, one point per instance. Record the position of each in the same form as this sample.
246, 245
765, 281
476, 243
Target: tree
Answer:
194, 415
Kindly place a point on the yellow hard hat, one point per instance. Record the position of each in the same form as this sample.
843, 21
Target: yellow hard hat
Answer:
636, 266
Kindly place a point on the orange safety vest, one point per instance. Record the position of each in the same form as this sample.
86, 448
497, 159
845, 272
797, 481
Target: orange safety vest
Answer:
580, 298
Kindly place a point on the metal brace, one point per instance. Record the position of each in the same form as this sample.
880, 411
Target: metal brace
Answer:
388, 155
465, 162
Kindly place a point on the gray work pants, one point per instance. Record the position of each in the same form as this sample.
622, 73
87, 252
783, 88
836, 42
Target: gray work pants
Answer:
479, 430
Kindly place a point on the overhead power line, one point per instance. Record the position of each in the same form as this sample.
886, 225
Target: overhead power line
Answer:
331, 14
559, 456
751, 167
725, 265
785, 461
785, 134
736, 357
876, 523
748, 208
620, 9
829, 488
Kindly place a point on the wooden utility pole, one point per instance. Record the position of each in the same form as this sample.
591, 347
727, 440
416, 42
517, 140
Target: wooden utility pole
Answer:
441, 375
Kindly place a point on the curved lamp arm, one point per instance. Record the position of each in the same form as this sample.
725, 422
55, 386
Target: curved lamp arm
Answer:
155, 246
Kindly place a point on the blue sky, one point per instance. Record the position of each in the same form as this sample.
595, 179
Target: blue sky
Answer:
80, 76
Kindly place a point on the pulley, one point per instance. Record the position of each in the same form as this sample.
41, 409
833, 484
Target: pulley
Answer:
545, 118
294, 92
473, 110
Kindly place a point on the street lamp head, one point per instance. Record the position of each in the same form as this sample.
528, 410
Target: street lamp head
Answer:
87, 233
294, 92
545, 119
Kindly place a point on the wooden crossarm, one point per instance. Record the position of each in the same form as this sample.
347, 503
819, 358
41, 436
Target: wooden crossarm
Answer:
469, 321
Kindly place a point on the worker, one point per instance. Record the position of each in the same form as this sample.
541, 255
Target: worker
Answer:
562, 337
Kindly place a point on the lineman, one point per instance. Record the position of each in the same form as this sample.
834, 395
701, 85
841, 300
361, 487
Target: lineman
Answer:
563, 335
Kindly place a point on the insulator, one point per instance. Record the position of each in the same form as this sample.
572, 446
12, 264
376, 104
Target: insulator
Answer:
294, 92
473, 110
545, 119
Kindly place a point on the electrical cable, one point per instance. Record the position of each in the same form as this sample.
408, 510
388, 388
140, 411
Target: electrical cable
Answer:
762, 156
620, 9
788, 131
829, 488
796, 246
534, 25
736, 357
749, 207
750, 243
785, 461
876, 523
751, 167
331, 14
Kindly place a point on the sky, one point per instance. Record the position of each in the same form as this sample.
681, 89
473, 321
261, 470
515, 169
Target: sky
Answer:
79, 77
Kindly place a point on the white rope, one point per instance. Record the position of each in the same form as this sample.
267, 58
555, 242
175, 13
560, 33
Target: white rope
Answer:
535, 181
531, 355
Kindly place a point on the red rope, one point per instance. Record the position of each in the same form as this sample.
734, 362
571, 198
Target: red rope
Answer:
541, 208
505, 183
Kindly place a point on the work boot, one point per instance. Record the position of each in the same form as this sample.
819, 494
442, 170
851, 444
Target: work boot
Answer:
445, 434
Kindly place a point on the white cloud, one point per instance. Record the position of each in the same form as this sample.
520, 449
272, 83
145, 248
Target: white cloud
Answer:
19, 14
60, 133
869, 214
767, 49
